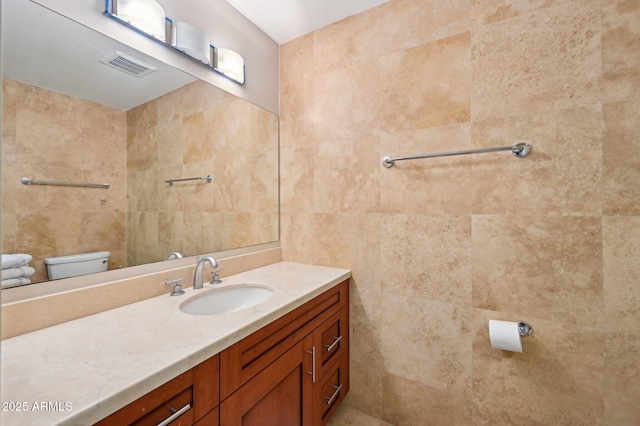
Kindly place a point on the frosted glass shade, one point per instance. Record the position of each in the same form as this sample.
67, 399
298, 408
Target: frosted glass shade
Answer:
230, 63
192, 41
146, 15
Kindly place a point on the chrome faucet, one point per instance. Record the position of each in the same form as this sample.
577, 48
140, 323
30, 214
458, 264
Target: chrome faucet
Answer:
197, 277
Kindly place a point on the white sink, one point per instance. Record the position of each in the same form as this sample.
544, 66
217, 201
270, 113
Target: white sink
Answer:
226, 300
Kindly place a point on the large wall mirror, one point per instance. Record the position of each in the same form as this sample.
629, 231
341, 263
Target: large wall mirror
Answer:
69, 117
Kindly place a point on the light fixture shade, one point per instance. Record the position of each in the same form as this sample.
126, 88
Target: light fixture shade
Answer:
229, 63
192, 41
146, 15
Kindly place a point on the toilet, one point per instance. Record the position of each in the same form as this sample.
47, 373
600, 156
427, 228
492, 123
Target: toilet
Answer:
77, 264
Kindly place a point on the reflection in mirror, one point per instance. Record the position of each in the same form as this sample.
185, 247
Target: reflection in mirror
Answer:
66, 116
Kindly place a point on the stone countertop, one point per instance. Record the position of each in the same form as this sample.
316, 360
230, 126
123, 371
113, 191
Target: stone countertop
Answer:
79, 372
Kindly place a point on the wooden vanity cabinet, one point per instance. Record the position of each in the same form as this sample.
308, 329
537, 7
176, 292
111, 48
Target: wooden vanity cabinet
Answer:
194, 393
293, 371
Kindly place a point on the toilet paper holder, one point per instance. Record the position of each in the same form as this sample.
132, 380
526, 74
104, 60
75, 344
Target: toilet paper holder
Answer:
523, 328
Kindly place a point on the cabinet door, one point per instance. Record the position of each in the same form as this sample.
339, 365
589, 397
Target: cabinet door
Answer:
279, 395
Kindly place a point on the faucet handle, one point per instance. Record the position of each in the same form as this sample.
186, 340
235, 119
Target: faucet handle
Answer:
216, 276
177, 289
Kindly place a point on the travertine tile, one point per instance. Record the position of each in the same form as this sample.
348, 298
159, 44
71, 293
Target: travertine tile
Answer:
102, 231
350, 41
560, 176
556, 380
11, 90
366, 246
366, 391
296, 180
332, 234
170, 153
433, 186
172, 236
146, 237
621, 380
438, 332
620, 50
296, 92
490, 11
409, 402
347, 102
347, 416
143, 117
297, 237
365, 336
426, 86
410, 23
621, 255
264, 182
621, 166
548, 267
346, 176
297, 59
203, 233
196, 137
542, 61
430, 258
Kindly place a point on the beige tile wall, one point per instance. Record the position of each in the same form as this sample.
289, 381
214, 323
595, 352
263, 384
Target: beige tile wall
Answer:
438, 247
199, 130
51, 136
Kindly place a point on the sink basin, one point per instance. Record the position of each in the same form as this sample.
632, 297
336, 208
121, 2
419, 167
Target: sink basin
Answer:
226, 300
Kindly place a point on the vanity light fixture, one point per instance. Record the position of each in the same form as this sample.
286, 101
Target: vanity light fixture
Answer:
148, 18
229, 63
146, 15
191, 41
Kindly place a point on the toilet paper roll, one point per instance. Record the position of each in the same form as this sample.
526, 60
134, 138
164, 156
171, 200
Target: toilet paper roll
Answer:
505, 335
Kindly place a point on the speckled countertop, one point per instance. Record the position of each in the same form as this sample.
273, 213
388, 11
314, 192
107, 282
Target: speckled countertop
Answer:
79, 372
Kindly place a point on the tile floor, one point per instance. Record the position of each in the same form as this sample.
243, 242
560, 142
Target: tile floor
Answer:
347, 416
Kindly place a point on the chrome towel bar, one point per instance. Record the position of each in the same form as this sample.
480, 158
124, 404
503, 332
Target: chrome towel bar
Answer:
208, 178
519, 150
27, 181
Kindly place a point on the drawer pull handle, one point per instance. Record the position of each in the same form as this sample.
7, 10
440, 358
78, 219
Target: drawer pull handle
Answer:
330, 399
175, 414
312, 352
335, 342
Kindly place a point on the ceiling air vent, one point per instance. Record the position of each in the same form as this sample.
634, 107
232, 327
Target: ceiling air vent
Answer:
128, 64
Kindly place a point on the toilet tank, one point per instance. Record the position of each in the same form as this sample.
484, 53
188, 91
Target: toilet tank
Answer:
77, 264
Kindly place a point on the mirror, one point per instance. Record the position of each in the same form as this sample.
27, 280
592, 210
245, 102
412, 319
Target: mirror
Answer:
68, 117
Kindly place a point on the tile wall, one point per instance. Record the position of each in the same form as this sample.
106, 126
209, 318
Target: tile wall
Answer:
200, 130
438, 247
51, 136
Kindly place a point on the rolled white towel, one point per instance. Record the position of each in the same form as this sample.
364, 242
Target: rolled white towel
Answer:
15, 282
22, 271
15, 260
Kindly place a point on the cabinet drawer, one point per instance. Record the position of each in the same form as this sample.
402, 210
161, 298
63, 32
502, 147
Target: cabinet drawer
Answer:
194, 393
242, 361
158, 405
331, 390
330, 341
181, 402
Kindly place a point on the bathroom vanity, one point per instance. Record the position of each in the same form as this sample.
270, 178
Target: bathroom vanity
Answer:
284, 361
